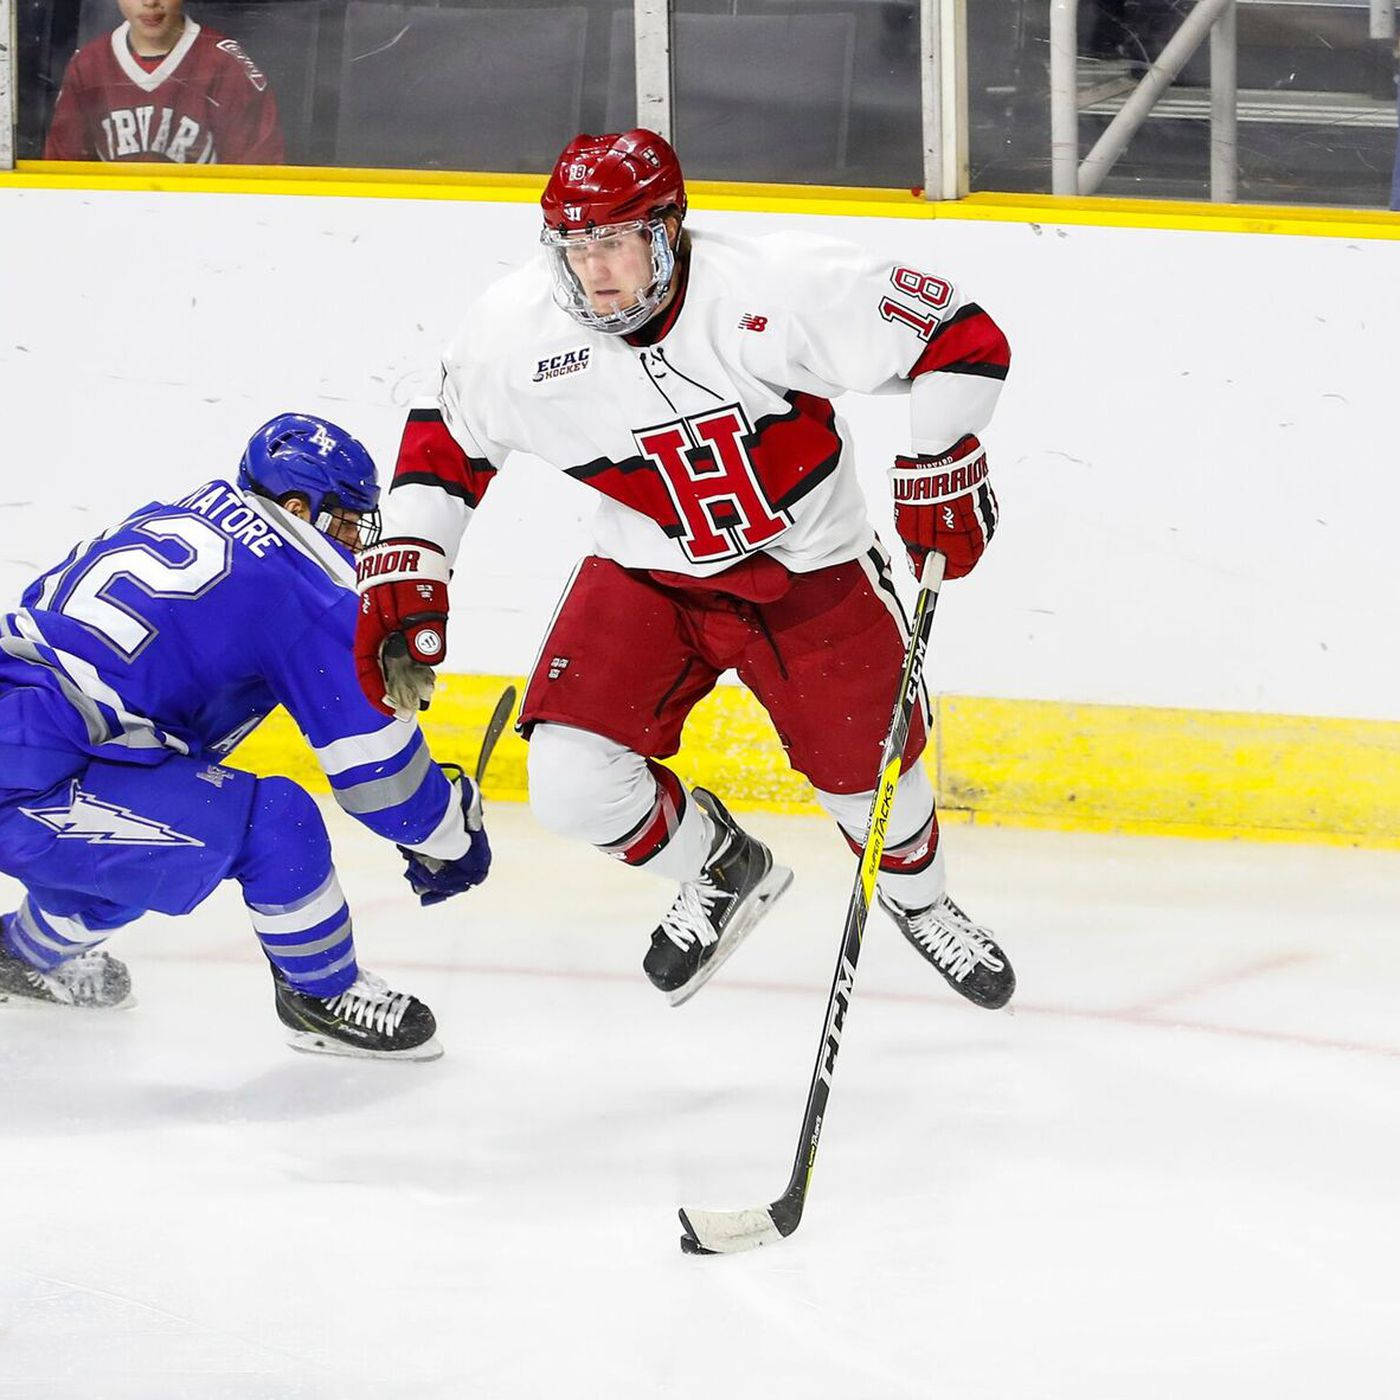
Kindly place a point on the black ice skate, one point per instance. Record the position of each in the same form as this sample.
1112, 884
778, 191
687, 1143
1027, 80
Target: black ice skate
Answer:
713, 914
367, 1020
93, 980
964, 952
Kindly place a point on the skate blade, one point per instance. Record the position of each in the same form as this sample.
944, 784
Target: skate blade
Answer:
770, 890
41, 1004
310, 1043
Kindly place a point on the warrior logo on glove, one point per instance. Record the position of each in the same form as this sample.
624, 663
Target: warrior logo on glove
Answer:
401, 632
945, 504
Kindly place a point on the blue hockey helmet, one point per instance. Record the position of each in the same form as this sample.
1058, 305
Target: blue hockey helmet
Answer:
296, 453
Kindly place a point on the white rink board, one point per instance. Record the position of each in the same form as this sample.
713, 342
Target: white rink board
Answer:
1194, 455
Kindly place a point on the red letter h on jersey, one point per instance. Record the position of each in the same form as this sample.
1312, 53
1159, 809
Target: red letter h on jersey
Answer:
713, 485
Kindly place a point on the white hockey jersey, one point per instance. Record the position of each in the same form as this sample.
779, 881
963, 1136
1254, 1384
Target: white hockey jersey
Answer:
710, 433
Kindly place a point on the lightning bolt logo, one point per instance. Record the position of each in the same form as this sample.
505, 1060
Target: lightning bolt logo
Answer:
87, 818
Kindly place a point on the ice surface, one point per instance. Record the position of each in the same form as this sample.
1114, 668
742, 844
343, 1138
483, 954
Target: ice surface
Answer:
1173, 1171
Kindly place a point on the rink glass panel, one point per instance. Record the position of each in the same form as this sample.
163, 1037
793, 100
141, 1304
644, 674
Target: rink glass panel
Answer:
425, 86
798, 91
1317, 105
823, 92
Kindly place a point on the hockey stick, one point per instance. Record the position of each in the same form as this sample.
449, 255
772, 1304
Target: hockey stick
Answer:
494, 727
730, 1231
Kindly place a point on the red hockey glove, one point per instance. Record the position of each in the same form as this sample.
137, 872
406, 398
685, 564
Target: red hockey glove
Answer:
401, 632
945, 503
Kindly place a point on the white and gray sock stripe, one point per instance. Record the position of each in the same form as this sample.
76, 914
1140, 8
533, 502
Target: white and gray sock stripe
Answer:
301, 914
323, 943
318, 980
49, 939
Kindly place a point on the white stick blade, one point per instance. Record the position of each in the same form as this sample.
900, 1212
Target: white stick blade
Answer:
727, 1231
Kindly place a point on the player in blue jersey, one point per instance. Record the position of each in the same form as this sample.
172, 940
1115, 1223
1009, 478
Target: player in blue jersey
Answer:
128, 673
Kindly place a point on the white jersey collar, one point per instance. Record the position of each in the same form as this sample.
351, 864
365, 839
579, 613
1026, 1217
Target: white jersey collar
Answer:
126, 60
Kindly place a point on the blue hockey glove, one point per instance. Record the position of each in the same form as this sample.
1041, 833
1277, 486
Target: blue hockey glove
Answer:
434, 880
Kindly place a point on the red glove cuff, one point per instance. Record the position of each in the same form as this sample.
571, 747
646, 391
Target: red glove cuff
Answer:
401, 561
403, 592
945, 503
924, 479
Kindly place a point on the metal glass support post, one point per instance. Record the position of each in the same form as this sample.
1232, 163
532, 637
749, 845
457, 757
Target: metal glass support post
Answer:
943, 96
651, 21
1224, 108
953, 70
1064, 97
930, 108
8, 85
1382, 19
1160, 77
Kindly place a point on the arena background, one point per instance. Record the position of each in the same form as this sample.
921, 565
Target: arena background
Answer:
1183, 625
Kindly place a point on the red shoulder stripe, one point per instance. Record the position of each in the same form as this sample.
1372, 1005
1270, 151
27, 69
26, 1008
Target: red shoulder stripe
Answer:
430, 456
969, 342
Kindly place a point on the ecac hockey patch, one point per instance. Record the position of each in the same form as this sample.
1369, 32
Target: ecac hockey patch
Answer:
570, 362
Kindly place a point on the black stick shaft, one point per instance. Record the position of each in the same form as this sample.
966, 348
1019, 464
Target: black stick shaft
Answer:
787, 1210
494, 726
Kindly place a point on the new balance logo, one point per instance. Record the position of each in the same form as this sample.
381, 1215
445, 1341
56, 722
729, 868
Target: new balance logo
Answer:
750, 322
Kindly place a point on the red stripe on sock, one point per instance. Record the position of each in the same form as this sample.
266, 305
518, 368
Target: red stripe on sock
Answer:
660, 824
909, 857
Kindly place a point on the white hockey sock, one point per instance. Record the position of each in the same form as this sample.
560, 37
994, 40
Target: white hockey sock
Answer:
594, 789
912, 873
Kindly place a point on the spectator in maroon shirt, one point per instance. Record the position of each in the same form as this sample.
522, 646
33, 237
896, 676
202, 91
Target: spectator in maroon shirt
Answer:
162, 87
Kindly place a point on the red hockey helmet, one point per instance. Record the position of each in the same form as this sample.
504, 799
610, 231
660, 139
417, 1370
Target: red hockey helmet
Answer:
605, 191
612, 179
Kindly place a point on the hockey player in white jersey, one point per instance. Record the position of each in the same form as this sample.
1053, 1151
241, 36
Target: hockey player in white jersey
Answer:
689, 379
